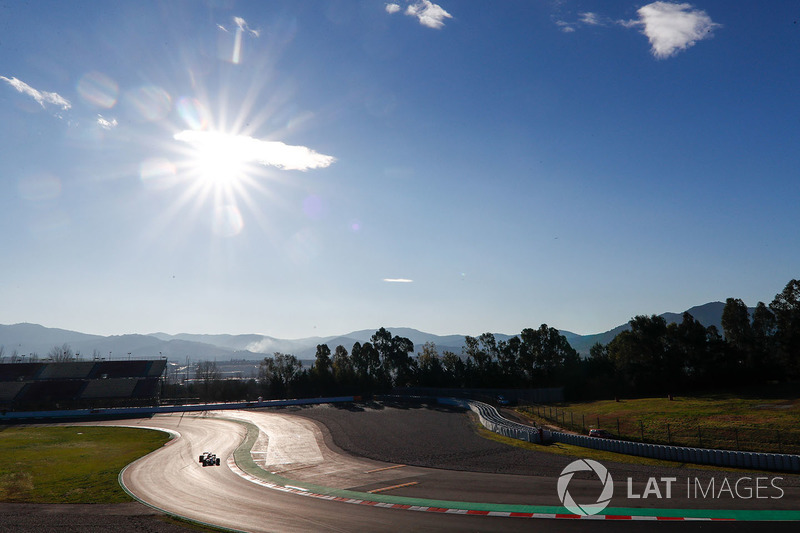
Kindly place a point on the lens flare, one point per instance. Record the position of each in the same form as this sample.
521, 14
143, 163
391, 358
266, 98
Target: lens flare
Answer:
157, 173
148, 103
193, 113
98, 89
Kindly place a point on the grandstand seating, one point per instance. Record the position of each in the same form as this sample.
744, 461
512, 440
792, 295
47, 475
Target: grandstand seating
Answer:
79, 383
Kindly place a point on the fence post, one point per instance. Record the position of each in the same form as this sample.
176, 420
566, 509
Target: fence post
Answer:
598, 422
618, 433
641, 428
669, 436
583, 421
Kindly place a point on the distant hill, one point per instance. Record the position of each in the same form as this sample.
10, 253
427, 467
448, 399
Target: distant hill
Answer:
27, 339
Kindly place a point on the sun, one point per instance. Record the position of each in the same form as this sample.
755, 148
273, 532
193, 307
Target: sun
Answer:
217, 159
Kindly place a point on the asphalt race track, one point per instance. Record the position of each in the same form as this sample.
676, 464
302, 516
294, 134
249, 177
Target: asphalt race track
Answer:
294, 447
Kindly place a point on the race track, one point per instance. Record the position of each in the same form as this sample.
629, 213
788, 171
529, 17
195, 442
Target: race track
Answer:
171, 479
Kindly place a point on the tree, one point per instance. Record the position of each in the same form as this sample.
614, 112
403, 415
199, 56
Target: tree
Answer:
509, 361
736, 326
61, 354
394, 353
686, 353
545, 355
786, 308
278, 373
639, 354
343, 372
322, 372
360, 363
429, 366
208, 374
454, 369
480, 368
377, 374
764, 356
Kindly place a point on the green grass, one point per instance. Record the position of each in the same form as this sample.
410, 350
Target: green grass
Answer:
69, 464
718, 421
560, 448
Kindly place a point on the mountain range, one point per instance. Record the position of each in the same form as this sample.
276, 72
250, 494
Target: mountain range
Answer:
26, 339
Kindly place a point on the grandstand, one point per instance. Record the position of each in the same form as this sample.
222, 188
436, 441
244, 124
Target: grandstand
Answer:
80, 384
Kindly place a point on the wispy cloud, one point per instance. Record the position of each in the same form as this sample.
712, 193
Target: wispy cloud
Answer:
241, 29
591, 19
566, 27
248, 149
427, 13
672, 27
241, 25
584, 19
43, 97
105, 123
398, 280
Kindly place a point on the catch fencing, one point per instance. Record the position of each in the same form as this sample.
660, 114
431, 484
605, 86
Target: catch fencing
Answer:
491, 419
756, 439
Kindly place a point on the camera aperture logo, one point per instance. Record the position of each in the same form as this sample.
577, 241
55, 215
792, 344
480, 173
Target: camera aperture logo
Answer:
585, 465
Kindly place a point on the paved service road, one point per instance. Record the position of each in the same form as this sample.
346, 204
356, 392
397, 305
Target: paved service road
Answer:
172, 479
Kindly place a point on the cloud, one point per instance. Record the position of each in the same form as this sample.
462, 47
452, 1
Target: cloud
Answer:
105, 123
427, 13
584, 19
590, 19
672, 27
398, 280
566, 27
241, 24
43, 97
248, 149
241, 27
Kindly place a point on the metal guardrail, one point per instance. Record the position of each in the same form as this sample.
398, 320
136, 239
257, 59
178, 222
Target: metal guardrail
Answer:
492, 420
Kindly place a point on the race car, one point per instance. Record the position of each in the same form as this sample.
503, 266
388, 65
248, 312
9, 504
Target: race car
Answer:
209, 459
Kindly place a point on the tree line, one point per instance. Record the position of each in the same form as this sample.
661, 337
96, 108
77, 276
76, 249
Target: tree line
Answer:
654, 357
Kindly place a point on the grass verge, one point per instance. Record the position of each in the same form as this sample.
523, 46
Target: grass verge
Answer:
712, 421
69, 464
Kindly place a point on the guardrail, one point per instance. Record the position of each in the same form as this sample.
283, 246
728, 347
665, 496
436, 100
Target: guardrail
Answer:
491, 419
128, 412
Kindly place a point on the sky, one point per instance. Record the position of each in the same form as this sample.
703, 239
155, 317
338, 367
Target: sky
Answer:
300, 169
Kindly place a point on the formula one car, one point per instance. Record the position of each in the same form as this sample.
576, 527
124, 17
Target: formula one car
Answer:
209, 459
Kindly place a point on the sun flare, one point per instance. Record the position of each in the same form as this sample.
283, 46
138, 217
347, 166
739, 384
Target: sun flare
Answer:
218, 159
